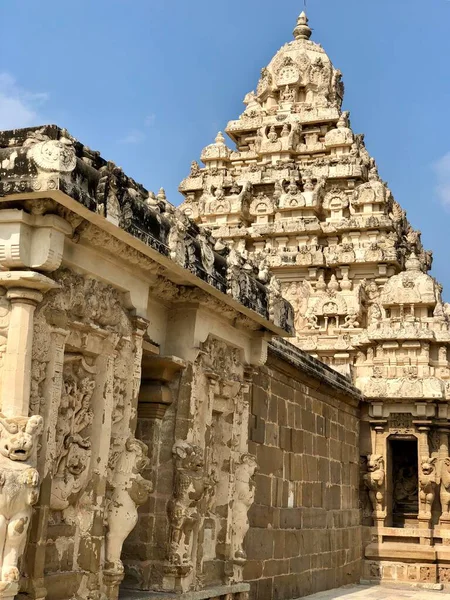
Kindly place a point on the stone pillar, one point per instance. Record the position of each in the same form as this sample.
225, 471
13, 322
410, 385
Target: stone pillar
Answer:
379, 514
17, 366
427, 482
24, 290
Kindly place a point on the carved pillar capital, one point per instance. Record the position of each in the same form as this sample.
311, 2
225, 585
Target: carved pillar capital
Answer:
24, 296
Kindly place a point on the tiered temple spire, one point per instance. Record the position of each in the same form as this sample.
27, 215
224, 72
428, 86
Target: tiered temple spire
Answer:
301, 195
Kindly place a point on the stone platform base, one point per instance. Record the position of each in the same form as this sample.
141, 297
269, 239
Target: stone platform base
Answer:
412, 556
238, 591
424, 575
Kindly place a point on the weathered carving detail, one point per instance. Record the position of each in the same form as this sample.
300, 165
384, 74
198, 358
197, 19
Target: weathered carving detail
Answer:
445, 487
185, 510
53, 155
374, 480
73, 432
19, 490
128, 491
244, 494
427, 485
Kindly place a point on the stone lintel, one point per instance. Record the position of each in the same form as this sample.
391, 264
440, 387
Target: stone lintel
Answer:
161, 368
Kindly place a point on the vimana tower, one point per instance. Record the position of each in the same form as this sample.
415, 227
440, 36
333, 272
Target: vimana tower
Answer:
300, 195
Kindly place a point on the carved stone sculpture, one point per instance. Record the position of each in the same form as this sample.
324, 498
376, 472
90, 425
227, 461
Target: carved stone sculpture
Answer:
19, 489
445, 487
244, 495
191, 486
73, 443
374, 480
129, 490
427, 485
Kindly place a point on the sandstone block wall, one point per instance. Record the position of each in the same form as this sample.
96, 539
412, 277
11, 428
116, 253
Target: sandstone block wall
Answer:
305, 533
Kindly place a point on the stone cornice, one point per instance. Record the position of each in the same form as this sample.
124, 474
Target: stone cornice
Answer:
314, 368
48, 162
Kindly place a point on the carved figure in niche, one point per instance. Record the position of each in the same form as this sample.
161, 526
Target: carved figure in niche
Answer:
73, 446
278, 191
272, 136
374, 314
294, 137
293, 197
287, 94
19, 489
351, 321
445, 487
191, 486
374, 481
406, 493
129, 490
244, 496
259, 138
427, 484
312, 321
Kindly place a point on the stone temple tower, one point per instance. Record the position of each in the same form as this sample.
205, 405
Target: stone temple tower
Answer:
300, 195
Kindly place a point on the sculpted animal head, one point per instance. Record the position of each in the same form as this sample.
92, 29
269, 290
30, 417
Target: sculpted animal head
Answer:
18, 436
375, 462
427, 465
188, 456
140, 451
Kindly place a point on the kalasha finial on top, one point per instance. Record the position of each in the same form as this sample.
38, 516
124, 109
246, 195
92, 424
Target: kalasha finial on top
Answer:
302, 31
220, 140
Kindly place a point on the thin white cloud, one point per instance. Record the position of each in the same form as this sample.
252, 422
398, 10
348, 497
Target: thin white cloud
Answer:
135, 136
18, 106
441, 169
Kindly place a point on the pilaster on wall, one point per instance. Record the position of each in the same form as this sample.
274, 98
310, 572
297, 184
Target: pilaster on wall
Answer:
193, 413
26, 242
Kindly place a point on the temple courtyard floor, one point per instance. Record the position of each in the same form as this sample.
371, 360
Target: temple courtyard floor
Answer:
380, 592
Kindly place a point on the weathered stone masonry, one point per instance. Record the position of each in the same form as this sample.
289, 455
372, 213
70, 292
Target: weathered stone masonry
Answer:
305, 533
300, 195
119, 317
158, 436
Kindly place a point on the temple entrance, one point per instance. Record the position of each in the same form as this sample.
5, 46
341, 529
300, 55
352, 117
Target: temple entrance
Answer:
404, 483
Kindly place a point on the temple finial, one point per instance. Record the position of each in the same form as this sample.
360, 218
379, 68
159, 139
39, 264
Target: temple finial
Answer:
220, 140
302, 31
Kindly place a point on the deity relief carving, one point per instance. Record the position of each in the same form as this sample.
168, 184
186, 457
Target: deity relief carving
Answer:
73, 429
192, 490
19, 490
374, 480
244, 495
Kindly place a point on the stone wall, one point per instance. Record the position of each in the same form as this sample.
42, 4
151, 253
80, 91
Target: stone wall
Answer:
305, 533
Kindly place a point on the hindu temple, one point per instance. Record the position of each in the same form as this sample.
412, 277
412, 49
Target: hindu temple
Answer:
246, 397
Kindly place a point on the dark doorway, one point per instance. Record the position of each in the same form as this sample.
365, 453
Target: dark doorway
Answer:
405, 483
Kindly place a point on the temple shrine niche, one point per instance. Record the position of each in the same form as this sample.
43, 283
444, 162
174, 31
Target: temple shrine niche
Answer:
317, 215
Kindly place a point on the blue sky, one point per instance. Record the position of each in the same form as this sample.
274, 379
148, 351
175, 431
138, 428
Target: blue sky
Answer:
150, 82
